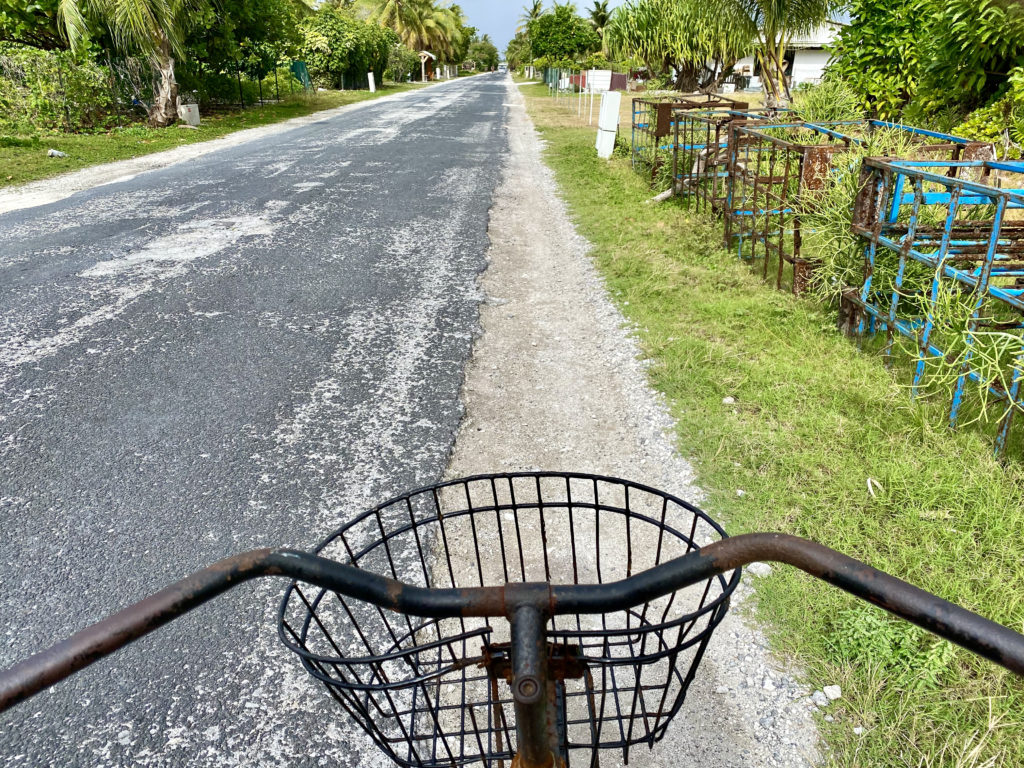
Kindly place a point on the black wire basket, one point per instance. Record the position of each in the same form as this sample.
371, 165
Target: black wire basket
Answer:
425, 689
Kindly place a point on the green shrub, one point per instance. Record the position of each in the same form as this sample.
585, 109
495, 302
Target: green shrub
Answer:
1002, 121
832, 99
402, 63
340, 49
19, 141
52, 90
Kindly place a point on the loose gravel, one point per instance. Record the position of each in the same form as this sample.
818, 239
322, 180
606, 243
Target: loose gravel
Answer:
556, 383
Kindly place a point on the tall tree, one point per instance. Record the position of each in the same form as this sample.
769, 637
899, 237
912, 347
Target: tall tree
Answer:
775, 23
519, 53
530, 12
424, 25
562, 34
155, 28
600, 16
405, 17
697, 42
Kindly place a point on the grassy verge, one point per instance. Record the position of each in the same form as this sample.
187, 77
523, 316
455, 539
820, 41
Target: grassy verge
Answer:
25, 159
825, 444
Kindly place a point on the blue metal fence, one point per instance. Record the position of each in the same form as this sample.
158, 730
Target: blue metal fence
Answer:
958, 222
774, 172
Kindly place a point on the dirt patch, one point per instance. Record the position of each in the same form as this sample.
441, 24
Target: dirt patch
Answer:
556, 383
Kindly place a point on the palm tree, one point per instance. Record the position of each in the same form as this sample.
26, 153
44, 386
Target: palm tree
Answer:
682, 37
530, 12
405, 17
152, 27
442, 30
776, 23
599, 16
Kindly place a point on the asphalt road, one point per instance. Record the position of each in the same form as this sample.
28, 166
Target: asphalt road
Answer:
237, 351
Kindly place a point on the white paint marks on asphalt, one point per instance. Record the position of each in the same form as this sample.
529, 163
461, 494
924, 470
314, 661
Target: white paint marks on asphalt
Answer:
126, 277
306, 186
167, 256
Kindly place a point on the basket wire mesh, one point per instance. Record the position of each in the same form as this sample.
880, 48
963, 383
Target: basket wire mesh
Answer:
425, 689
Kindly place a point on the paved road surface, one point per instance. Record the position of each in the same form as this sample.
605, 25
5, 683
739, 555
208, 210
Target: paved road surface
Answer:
237, 351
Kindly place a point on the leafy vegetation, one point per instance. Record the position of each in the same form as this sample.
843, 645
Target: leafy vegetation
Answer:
830, 100
338, 47
649, 32
879, 54
561, 34
88, 64
51, 91
929, 58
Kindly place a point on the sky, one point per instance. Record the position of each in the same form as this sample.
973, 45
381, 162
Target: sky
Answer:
499, 18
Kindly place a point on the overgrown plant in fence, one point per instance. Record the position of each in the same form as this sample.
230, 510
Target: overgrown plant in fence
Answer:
829, 238
942, 280
777, 175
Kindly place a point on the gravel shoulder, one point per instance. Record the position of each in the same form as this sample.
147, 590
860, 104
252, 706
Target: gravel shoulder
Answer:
51, 190
556, 383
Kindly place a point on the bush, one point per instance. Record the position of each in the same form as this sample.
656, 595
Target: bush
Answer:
47, 91
831, 100
1002, 121
340, 49
401, 63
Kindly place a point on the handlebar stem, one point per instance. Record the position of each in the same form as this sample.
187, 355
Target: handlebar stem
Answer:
530, 686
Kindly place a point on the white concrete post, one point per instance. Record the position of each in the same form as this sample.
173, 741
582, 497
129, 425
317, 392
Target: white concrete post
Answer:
373, 83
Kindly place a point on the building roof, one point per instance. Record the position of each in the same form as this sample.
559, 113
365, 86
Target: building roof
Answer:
818, 38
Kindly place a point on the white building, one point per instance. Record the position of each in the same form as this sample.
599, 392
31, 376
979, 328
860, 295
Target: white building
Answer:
806, 59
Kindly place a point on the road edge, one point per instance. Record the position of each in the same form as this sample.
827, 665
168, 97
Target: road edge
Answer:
56, 188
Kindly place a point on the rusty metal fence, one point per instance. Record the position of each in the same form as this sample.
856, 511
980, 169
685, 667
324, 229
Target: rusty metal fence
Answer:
700, 157
944, 271
775, 173
933, 269
654, 124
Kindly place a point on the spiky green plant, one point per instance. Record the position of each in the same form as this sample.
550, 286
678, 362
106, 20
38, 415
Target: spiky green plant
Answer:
830, 100
680, 37
825, 217
968, 329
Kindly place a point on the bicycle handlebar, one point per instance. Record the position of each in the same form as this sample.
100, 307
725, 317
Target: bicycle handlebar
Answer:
975, 633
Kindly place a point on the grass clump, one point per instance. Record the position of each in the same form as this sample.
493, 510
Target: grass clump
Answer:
825, 445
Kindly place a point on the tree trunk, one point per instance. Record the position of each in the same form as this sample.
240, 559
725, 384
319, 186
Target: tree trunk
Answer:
686, 81
773, 76
716, 76
164, 110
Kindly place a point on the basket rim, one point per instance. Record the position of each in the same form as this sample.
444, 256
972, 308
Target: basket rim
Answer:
539, 475
727, 586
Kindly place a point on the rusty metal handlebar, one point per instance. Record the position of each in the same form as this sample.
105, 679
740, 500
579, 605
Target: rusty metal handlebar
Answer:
975, 633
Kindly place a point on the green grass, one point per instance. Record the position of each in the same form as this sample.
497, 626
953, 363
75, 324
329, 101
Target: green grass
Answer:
826, 444
24, 158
